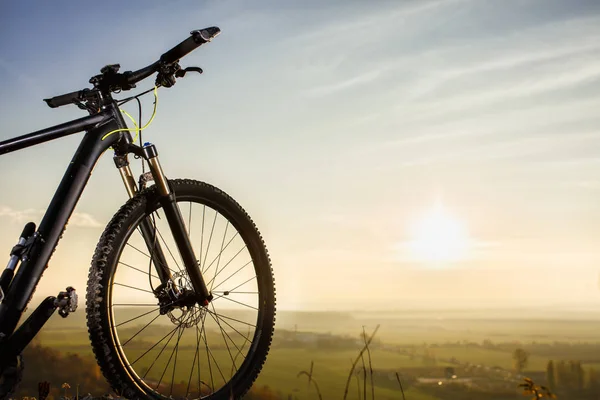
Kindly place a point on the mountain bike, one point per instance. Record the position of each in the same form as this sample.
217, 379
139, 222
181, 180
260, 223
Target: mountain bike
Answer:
180, 298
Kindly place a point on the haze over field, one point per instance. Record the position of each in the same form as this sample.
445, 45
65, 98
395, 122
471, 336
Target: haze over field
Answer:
478, 346
394, 153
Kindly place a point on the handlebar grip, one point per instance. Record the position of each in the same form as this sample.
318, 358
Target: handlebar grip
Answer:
196, 39
64, 99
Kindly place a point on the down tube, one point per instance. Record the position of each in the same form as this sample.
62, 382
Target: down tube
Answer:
54, 222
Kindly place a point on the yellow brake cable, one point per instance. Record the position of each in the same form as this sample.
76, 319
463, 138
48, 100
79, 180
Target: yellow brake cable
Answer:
137, 128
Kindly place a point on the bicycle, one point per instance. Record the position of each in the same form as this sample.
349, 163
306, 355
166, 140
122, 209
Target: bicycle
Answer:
181, 293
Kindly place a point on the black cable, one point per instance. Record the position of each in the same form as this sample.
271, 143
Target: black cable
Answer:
152, 252
127, 99
140, 128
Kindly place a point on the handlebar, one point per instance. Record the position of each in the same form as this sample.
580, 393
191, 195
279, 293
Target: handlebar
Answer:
127, 80
190, 44
68, 98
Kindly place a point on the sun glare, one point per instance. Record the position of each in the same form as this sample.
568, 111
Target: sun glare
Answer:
439, 238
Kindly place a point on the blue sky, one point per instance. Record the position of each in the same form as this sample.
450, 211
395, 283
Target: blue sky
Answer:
338, 124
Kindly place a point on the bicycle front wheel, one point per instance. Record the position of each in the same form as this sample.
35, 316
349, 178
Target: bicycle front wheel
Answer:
199, 352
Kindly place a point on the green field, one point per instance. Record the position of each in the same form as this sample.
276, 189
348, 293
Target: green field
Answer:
400, 345
331, 372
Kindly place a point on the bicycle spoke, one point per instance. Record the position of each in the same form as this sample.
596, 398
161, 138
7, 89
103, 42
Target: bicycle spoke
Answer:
187, 390
224, 333
175, 363
223, 249
243, 347
198, 346
209, 240
171, 356
139, 316
141, 252
202, 235
154, 345
242, 284
225, 266
221, 252
212, 381
138, 250
137, 269
233, 319
140, 331
132, 287
238, 302
213, 357
152, 252
225, 322
163, 349
231, 291
168, 249
215, 361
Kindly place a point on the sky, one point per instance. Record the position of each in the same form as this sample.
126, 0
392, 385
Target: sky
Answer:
340, 126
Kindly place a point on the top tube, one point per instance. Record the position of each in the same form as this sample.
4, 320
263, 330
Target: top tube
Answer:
54, 132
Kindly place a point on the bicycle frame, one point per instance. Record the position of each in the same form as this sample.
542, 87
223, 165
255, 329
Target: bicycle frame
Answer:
45, 239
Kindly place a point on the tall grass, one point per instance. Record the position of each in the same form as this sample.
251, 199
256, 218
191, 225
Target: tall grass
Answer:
354, 371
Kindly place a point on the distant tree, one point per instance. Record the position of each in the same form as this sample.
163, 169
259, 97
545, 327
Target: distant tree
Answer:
429, 358
569, 375
520, 359
576, 375
593, 382
561, 375
487, 343
550, 377
41, 365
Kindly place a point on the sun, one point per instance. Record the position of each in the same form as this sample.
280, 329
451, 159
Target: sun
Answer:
439, 237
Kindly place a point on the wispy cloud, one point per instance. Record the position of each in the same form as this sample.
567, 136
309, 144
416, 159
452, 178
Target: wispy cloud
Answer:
479, 74
343, 84
338, 52
546, 44
560, 121
492, 93
13, 70
515, 148
364, 25
82, 220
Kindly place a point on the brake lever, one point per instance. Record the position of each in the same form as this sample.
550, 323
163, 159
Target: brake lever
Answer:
181, 73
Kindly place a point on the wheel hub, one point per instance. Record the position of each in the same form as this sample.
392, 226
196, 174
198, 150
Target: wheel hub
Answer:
178, 301
187, 317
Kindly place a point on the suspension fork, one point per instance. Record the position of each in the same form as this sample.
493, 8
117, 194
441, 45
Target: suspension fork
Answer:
146, 226
176, 224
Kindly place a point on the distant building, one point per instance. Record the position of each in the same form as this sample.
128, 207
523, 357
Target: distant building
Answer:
443, 381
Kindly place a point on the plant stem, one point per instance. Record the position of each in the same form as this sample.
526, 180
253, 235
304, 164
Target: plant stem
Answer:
356, 360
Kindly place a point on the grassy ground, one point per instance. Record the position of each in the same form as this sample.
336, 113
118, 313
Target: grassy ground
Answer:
332, 366
491, 358
331, 372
